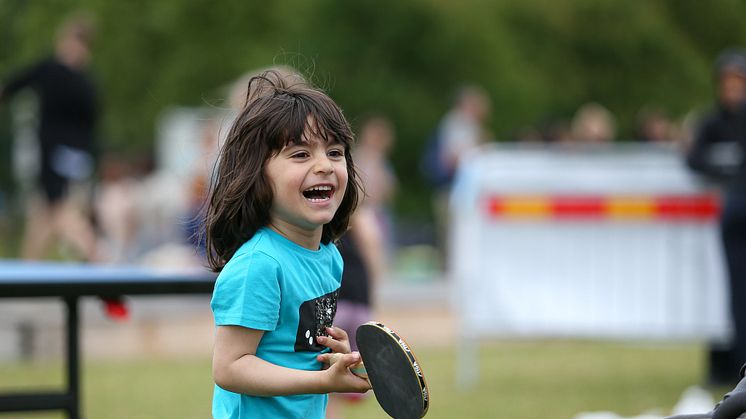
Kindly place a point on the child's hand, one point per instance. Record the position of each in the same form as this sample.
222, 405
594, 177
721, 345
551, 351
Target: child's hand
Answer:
337, 341
339, 377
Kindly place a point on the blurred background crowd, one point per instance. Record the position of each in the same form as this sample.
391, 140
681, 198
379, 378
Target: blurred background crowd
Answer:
565, 73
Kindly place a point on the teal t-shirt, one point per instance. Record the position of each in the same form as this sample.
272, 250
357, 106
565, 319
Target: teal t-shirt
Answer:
289, 292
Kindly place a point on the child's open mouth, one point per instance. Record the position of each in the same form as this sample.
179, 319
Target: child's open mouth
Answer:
318, 193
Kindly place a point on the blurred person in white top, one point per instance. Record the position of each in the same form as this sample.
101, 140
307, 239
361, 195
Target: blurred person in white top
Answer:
461, 132
462, 129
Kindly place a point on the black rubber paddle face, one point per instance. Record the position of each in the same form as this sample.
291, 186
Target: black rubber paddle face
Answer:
393, 371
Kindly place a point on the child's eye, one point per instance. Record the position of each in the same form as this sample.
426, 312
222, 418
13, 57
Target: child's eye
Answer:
299, 155
336, 153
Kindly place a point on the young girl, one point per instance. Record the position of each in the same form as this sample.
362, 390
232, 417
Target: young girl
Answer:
284, 190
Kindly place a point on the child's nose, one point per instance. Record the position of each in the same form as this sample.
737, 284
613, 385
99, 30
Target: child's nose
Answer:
323, 164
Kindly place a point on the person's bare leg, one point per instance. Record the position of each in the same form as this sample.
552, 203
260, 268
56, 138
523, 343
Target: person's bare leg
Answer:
38, 231
334, 407
74, 228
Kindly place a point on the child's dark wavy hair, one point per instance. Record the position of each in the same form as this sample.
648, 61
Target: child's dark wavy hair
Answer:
276, 114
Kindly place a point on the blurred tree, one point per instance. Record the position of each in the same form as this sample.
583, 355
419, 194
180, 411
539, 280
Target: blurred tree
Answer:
536, 58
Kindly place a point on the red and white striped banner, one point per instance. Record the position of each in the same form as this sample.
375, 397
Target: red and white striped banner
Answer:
680, 208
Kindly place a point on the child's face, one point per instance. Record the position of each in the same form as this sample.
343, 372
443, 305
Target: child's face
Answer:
308, 182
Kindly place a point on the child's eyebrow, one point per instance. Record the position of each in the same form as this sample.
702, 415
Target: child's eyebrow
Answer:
318, 136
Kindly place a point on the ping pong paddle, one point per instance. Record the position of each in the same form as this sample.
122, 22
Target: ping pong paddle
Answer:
392, 370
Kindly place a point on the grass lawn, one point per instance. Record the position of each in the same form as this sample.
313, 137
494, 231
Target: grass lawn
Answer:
531, 379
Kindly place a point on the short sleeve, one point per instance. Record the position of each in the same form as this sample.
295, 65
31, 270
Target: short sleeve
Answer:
247, 293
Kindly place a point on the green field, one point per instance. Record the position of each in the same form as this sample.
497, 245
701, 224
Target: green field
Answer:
533, 379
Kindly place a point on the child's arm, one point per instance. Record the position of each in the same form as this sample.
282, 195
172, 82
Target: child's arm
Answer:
236, 368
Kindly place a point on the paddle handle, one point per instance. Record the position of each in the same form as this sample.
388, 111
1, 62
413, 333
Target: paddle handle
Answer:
357, 369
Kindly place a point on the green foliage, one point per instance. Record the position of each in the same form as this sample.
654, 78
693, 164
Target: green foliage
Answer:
538, 59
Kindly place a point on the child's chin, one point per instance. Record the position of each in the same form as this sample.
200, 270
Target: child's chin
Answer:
325, 222
320, 222
324, 219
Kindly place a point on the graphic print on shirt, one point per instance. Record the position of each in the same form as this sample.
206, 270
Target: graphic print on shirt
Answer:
314, 317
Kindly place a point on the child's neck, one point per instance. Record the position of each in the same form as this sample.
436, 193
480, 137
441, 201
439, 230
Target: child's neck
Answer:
310, 239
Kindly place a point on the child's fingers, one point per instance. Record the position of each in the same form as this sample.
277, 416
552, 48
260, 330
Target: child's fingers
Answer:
336, 357
351, 360
357, 385
346, 380
347, 360
341, 346
337, 333
325, 358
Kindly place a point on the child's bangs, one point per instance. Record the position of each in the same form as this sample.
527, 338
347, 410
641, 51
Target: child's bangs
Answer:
310, 120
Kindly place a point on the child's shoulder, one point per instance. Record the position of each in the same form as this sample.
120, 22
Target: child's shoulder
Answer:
260, 246
250, 259
272, 245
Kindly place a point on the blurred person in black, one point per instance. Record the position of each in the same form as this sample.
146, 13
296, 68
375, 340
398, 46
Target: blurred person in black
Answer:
356, 292
718, 153
68, 112
365, 246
